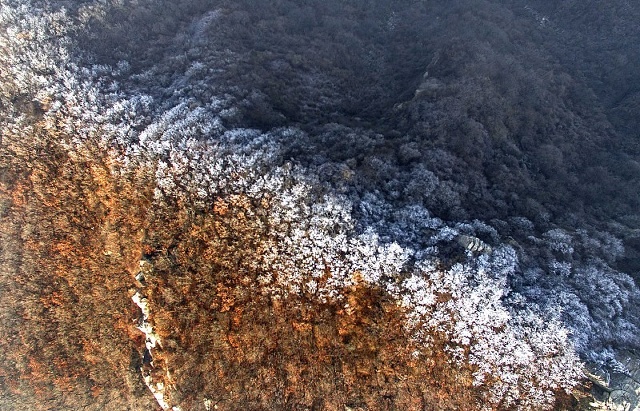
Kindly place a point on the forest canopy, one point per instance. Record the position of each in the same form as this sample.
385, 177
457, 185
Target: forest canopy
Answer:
319, 204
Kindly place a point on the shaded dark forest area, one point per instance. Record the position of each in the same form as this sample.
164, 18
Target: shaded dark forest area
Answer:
518, 109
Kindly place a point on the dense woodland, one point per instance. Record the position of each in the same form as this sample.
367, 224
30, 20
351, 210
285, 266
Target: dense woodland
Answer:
518, 109
363, 204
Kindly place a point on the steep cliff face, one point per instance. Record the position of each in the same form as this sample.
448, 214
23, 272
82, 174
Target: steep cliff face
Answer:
319, 206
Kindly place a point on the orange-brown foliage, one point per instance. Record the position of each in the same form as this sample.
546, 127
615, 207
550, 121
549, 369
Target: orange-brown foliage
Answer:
71, 235
226, 339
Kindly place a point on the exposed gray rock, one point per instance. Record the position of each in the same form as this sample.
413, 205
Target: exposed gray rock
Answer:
619, 389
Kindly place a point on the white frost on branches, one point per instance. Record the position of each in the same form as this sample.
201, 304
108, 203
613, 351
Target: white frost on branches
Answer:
523, 353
